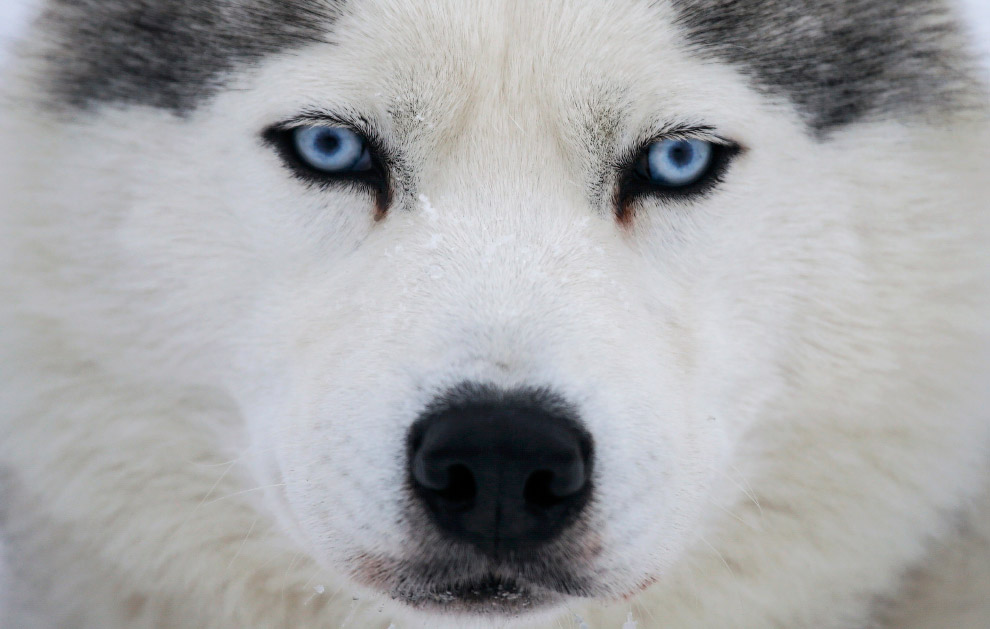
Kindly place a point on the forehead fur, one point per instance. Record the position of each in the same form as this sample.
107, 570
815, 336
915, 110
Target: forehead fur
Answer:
838, 61
170, 54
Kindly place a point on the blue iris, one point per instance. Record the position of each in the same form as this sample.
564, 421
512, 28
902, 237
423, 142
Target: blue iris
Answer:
678, 163
331, 149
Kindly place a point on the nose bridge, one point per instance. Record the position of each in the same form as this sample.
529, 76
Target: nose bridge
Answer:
510, 196
513, 249
520, 296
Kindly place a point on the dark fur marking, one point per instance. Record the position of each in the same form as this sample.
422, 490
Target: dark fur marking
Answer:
171, 54
838, 61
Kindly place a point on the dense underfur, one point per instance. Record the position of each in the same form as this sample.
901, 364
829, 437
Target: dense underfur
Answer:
210, 362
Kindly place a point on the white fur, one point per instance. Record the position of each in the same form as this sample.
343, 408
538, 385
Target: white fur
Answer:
207, 370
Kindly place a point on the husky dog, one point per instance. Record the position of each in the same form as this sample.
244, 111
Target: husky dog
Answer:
463, 313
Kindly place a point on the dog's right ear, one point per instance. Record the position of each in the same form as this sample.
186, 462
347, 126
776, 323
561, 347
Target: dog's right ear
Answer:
169, 54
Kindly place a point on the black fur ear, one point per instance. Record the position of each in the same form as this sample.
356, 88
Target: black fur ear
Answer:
170, 54
839, 61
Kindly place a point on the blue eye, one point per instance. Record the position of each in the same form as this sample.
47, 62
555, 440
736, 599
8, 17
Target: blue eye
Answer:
331, 149
677, 163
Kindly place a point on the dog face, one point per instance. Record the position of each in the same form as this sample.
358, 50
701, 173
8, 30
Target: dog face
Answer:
505, 259
509, 295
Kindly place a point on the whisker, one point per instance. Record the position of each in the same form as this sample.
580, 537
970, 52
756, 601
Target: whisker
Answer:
231, 462
285, 575
645, 612
733, 515
192, 512
245, 491
217, 483
241, 547
310, 579
720, 555
745, 488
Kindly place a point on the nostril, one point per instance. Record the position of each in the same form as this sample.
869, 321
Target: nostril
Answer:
537, 491
453, 482
547, 488
569, 477
461, 487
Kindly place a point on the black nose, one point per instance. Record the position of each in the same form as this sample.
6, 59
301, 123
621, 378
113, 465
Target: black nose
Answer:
504, 471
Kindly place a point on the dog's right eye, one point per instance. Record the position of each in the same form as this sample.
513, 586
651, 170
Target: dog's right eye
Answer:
327, 155
331, 149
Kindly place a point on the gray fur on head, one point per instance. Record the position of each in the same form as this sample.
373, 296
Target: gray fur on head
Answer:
169, 53
838, 61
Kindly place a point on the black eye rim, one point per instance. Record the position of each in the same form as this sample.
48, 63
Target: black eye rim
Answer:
376, 179
634, 186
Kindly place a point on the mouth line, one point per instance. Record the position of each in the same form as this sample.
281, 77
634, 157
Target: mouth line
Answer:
490, 593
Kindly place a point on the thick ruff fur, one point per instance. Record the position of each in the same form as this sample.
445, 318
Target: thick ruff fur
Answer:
208, 365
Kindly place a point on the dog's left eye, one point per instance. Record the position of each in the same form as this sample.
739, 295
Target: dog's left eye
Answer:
676, 169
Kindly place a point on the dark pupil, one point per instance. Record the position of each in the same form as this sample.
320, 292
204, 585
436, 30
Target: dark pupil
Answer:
328, 143
680, 154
